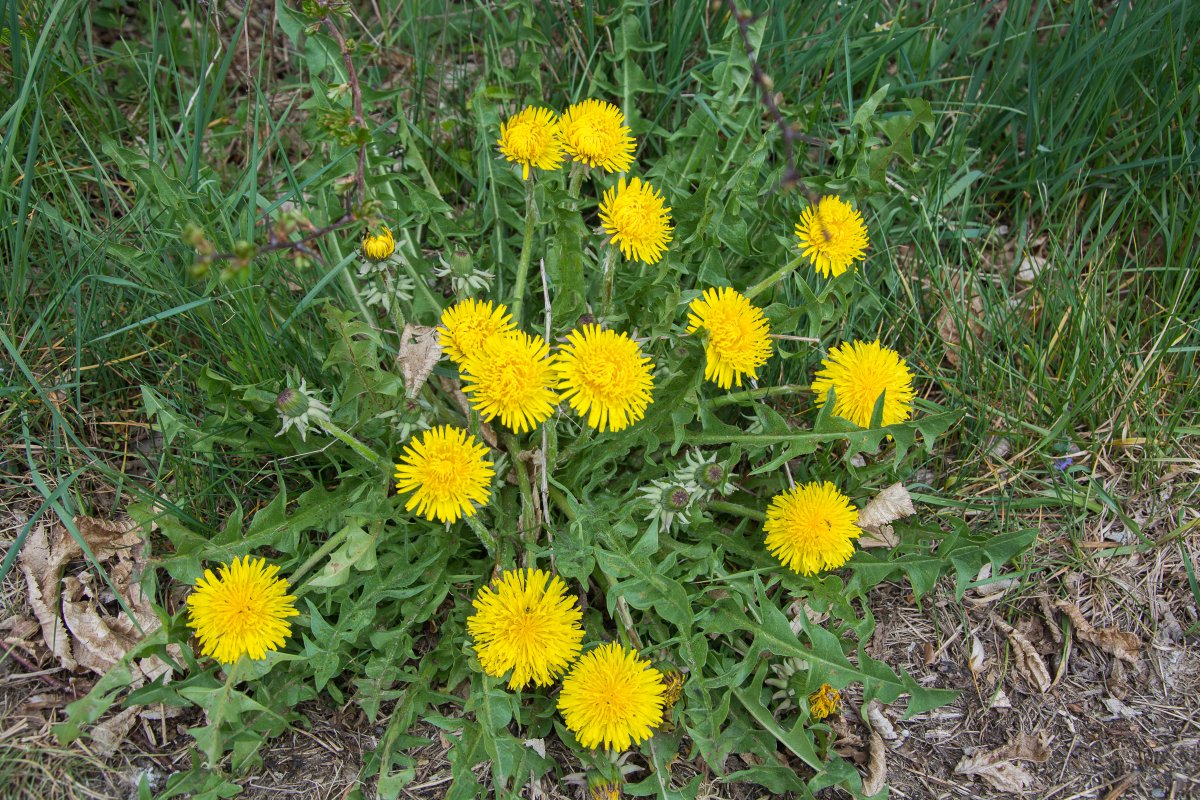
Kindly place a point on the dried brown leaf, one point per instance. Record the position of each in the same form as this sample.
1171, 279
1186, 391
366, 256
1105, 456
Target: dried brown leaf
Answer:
883, 536
1029, 662
997, 766
976, 659
876, 777
889, 505
879, 721
418, 355
958, 306
1122, 644
109, 734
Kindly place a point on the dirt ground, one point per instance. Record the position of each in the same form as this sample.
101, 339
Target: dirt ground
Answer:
1106, 706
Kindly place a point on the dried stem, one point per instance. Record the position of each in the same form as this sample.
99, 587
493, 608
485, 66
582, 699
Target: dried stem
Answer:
791, 176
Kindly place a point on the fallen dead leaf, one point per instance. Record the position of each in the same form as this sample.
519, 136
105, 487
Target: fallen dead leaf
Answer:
418, 355
1122, 644
876, 776
452, 388
108, 735
889, 505
82, 619
880, 724
883, 536
1029, 268
1029, 662
998, 768
957, 305
976, 659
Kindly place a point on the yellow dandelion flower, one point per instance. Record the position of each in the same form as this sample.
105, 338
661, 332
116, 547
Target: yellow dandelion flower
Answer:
636, 218
530, 138
467, 324
447, 471
241, 611
738, 335
611, 697
594, 133
832, 236
528, 624
378, 246
858, 372
811, 528
605, 377
605, 790
511, 377
824, 702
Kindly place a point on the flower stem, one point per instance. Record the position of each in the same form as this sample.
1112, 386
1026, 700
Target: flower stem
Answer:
518, 295
354, 444
760, 393
526, 522
485, 536
578, 170
325, 549
736, 510
774, 277
610, 257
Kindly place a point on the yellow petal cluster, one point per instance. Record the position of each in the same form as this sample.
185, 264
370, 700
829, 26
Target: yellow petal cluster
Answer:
811, 528
832, 235
511, 377
859, 372
531, 138
637, 219
737, 335
594, 133
612, 698
447, 471
241, 611
605, 378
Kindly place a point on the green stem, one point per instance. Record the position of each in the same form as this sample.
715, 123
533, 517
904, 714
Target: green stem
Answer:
485, 536
578, 170
526, 521
352, 288
354, 444
736, 510
518, 295
610, 257
774, 277
761, 393
325, 549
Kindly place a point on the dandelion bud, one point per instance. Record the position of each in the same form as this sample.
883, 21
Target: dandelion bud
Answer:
380, 246
291, 403
678, 498
299, 409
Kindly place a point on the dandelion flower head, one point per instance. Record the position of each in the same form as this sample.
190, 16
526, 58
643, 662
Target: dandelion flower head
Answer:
858, 372
530, 138
528, 623
466, 325
738, 336
243, 610
594, 133
636, 218
811, 528
605, 378
511, 377
612, 698
832, 235
378, 246
447, 471
824, 702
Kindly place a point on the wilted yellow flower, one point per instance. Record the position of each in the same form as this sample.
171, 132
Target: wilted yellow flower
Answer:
611, 697
530, 138
594, 133
604, 790
511, 377
738, 336
243, 611
859, 372
824, 701
832, 236
447, 471
604, 377
528, 624
468, 324
811, 528
635, 216
378, 246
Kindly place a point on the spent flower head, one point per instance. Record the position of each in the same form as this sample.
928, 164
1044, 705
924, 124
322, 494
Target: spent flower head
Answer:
298, 408
670, 502
703, 472
824, 702
464, 278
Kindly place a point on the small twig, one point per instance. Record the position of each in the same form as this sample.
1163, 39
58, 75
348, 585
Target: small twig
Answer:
274, 244
791, 176
356, 95
11, 651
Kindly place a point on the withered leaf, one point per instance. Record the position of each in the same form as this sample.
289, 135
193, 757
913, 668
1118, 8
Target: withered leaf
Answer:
876, 777
1029, 662
418, 355
997, 766
889, 505
1122, 644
